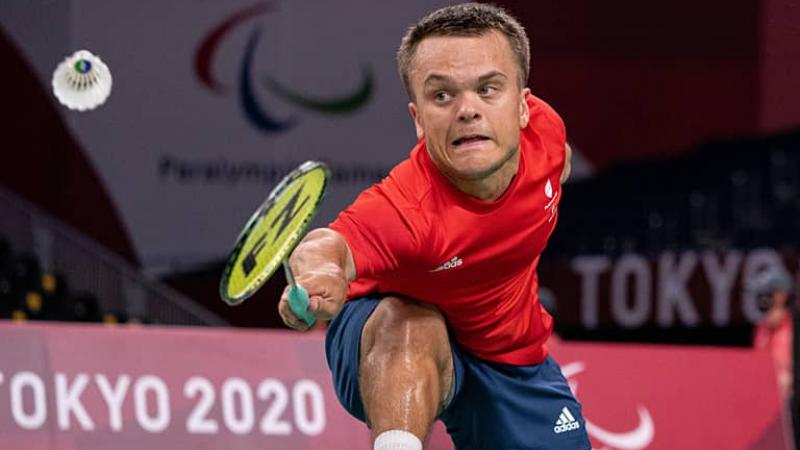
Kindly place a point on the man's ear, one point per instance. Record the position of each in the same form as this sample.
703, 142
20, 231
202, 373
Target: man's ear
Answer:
567, 164
412, 108
524, 111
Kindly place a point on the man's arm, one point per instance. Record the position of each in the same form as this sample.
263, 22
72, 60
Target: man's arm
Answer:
567, 163
322, 264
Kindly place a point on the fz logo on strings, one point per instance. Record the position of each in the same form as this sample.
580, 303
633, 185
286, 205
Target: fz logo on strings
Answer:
284, 217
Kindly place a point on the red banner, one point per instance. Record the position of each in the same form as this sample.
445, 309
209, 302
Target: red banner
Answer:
661, 397
91, 387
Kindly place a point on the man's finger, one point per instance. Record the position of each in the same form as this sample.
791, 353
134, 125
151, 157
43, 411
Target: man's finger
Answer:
288, 316
314, 304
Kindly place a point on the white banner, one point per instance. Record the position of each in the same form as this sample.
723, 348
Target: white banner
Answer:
213, 102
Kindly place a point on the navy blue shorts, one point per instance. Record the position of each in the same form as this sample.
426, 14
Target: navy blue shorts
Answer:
494, 406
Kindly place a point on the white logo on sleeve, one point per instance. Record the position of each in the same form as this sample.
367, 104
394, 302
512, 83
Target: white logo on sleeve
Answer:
453, 263
566, 422
551, 206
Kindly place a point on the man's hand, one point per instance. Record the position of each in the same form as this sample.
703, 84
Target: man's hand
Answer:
327, 293
322, 265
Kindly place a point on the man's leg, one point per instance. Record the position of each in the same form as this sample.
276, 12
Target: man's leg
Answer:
406, 370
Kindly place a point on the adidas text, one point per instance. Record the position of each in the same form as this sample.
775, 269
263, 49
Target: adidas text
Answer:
455, 262
568, 427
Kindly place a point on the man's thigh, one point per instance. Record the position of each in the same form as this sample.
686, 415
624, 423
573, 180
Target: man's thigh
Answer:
349, 330
342, 348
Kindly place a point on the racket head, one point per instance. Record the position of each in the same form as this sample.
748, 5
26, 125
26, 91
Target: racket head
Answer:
272, 232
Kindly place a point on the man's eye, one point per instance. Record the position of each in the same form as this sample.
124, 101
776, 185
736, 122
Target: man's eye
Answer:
441, 96
487, 90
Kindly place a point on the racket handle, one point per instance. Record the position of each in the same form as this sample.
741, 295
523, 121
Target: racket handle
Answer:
298, 302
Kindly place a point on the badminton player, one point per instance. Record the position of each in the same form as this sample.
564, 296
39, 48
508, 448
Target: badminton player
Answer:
429, 277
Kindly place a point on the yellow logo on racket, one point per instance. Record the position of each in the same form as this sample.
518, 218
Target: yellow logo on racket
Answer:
273, 231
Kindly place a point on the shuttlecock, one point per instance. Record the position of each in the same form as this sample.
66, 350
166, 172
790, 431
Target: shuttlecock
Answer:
82, 81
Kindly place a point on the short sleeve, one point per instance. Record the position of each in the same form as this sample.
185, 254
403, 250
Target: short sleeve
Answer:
547, 127
378, 232
543, 115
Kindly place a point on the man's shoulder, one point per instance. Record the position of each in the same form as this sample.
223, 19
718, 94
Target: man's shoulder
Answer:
407, 183
390, 209
542, 113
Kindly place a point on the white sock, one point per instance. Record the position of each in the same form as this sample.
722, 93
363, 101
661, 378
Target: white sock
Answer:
397, 440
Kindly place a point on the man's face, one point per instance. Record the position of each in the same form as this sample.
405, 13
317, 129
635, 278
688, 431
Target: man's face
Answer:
468, 104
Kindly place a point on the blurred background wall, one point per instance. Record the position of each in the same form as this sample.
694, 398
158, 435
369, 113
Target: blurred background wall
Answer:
684, 116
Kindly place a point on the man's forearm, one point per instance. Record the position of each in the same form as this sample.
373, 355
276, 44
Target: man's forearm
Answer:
323, 250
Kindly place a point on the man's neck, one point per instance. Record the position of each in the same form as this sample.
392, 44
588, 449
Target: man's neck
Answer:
492, 187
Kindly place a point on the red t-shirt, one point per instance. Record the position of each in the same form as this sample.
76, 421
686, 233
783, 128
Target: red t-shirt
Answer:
417, 235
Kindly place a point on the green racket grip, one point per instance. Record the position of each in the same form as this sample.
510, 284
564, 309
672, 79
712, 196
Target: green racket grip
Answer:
298, 302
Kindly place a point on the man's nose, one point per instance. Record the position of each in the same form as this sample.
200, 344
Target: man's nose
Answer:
468, 109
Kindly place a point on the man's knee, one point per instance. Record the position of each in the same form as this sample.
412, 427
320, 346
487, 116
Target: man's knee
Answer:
404, 326
404, 335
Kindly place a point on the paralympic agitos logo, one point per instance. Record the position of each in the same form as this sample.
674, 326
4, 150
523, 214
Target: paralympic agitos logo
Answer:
255, 112
637, 438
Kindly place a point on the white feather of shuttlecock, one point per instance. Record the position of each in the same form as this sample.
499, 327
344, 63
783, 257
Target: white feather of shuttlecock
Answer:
82, 91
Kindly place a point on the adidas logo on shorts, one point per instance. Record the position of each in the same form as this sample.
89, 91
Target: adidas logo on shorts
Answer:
566, 422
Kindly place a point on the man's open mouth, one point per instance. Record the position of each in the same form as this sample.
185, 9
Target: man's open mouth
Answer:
469, 139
